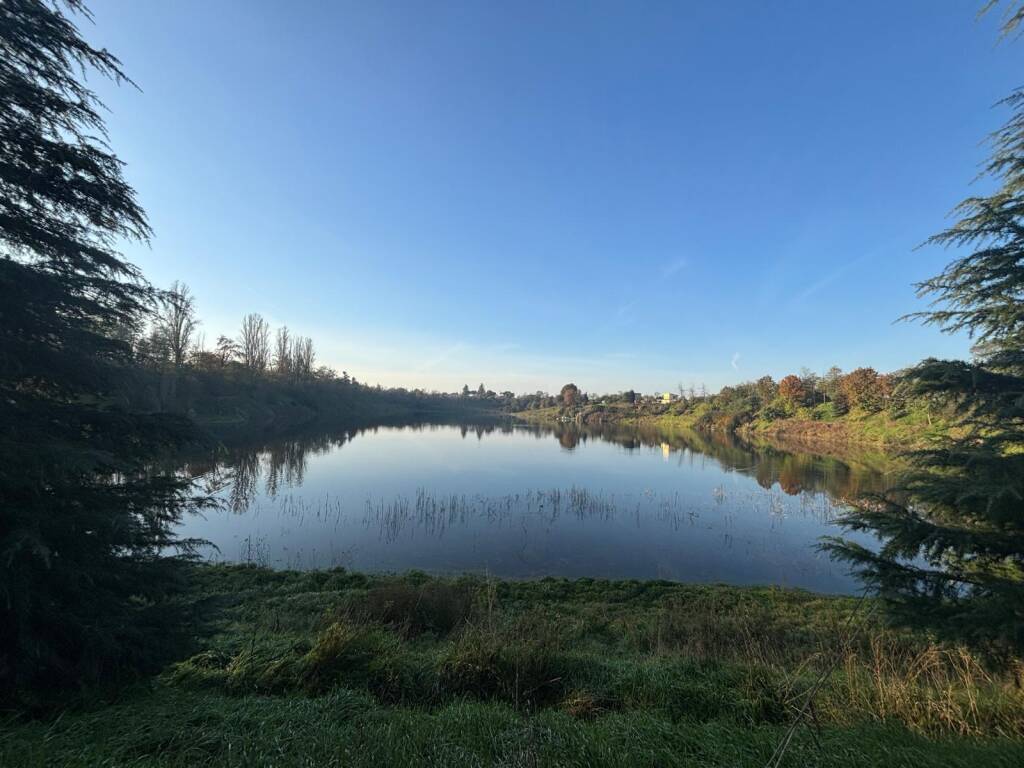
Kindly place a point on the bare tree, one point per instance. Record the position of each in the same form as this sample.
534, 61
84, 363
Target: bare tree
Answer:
176, 321
254, 343
303, 357
283, 351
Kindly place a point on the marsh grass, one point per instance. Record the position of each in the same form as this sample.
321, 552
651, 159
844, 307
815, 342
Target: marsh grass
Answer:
481, 672
690, 652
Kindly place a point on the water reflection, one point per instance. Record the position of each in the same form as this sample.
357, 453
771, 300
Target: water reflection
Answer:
527, 500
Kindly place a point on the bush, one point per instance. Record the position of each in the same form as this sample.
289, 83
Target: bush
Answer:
825, 412
779, 408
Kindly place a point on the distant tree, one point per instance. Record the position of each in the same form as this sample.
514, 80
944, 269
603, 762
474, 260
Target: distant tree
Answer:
283, 351
325, 373
303, 357
863, 389
767, 389
226, 350
198, 347
887, 384
206, 361
465, 390
176, 321
254, 343
791, 389
811, 384
569, 394
481, 391
831, 382
153, 348
86, 513
952, 552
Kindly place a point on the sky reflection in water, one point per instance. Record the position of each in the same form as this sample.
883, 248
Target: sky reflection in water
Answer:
522, 501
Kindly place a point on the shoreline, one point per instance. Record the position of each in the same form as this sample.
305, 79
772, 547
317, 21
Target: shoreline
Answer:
837, 438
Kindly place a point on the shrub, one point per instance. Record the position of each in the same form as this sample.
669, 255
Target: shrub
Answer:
779, 408
825, 412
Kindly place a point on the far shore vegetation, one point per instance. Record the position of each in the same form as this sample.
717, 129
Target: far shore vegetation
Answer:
861, 408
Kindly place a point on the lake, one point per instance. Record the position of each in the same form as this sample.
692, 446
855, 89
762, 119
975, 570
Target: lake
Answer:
520, 501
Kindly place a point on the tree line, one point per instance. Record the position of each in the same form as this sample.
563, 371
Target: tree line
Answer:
172, 338
824, 397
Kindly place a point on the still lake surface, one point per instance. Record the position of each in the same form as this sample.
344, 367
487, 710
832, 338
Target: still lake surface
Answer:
518, 501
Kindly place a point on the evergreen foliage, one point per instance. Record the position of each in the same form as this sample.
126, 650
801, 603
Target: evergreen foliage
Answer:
84, 518
952, 538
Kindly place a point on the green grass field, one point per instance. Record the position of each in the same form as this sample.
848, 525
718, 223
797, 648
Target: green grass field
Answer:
335, 668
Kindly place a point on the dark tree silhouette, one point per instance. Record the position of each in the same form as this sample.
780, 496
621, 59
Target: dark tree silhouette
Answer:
569, 394
254, 343
83, 516
176, 321
283, 351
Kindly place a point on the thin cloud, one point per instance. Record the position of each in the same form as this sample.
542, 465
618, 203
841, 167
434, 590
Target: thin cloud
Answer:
446, 354
673, 267
735, 363
625, 308
830, 278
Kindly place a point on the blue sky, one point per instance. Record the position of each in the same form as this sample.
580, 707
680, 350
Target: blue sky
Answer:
618, 194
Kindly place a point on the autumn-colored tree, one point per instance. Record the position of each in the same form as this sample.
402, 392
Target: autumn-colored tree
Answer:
863, 389
792, 389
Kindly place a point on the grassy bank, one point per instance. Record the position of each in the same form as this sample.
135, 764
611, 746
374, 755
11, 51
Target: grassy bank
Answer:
333, 668
806, 429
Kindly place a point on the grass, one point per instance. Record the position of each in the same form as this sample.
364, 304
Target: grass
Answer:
336, 668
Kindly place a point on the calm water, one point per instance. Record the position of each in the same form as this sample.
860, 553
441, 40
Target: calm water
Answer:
523, 501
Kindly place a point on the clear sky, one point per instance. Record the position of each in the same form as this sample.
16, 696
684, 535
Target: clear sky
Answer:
627, 194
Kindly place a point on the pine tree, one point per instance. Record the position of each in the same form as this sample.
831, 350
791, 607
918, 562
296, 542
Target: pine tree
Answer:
84, 518
952, 535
